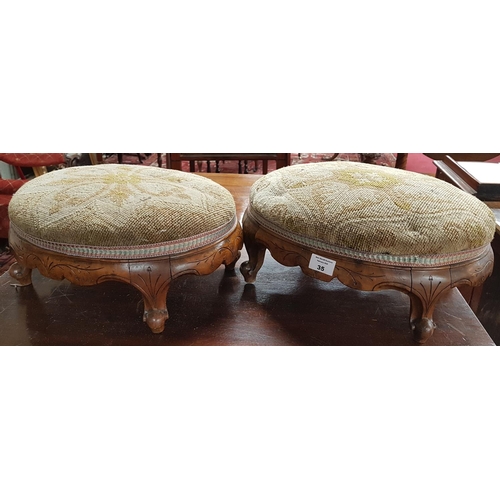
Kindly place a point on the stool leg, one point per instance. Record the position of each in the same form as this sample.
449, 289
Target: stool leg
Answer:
153, 281
155, 312
401, 160
421, 319
427, 288
230, 267
21, 274
256, 251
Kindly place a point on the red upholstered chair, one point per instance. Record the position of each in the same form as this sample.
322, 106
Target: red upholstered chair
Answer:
37, 161
7, 188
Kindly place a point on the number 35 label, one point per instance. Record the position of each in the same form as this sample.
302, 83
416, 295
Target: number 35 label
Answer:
322, 264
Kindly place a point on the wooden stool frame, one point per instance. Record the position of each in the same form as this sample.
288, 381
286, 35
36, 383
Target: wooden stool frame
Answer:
152, 277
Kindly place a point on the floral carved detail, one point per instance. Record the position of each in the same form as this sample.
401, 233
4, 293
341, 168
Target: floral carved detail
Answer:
358, 279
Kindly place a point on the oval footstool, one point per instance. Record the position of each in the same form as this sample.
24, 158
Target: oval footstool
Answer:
139, 225
373, 228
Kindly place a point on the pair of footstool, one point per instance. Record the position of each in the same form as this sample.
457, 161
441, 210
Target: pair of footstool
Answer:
371, 227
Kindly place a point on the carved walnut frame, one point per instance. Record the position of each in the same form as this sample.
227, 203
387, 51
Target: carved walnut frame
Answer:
424, 285
152, 277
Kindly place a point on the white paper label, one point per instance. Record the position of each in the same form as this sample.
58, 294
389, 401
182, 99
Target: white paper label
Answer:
322, 264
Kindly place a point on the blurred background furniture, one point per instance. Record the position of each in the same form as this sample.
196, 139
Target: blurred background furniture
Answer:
463, 156
174, 160
39, 162
474, 176
7, 188
401, 159
240, 162
98, 158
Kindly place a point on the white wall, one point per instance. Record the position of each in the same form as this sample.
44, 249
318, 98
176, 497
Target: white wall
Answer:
6, 171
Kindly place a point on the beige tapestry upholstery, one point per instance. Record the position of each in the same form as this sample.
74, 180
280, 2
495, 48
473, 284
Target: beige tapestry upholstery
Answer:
371, 212
120, 211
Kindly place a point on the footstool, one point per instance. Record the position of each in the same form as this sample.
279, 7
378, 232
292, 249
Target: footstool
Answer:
140, 225
373, 228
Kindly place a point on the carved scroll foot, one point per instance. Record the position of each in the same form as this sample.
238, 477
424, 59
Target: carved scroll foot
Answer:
21, 273
155, 310
153, 282
421, 321
155, 319
250, 268
422, 329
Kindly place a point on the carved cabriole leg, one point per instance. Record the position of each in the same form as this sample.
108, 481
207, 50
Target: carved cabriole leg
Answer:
256, 251
428, 287
421, 321
230, 267
425, 287
153, 281
20, 270
21, 274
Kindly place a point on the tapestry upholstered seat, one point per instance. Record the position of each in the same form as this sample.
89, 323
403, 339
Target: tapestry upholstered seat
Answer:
373, 228
140, 225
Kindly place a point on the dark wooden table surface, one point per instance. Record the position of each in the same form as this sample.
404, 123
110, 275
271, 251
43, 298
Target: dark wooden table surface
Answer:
284, 307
